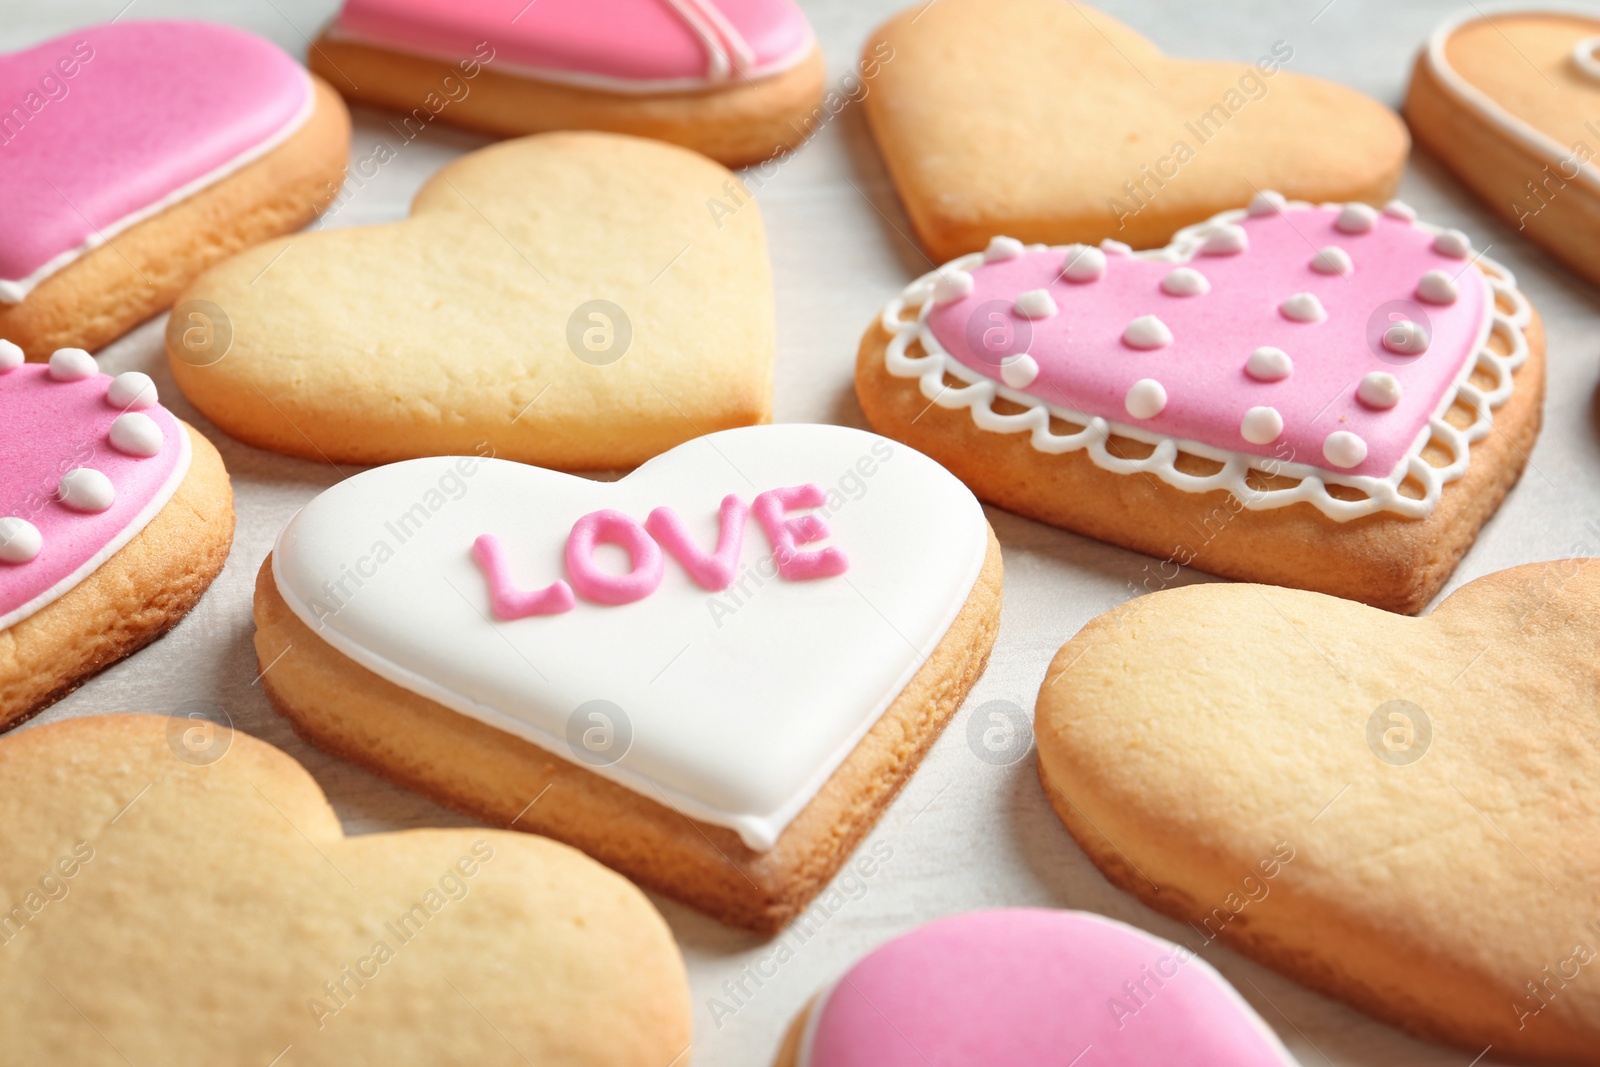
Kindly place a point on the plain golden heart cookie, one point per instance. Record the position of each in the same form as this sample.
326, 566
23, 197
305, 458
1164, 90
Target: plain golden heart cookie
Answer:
174, 892
1399, 812
570, 300
1051, 122
1512, 105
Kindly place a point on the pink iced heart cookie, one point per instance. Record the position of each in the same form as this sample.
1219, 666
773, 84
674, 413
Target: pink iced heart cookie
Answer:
91, 463
1330, 375
1022, 987
721, 76
115, 126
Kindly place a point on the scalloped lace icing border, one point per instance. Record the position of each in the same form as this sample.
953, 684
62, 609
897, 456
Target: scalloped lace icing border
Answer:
1381, 494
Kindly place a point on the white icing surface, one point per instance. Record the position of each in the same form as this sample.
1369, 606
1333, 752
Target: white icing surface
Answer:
72, 365
1453, 243
1333, 260
136, 434
1267, 202
86, 489
1583, 54
1379, 389
1225, 239
951, 285
1035, 304
1115, 248
1146, 399
11, 356
20, 540
14, 291
1261, 425
1019, 371
1303, 307
741, 703
1083, 263
1147, 332
1356, 218
905, 319
1344, 449
1269, 364
132, 391
1002, 248
1406, 338
1437, 287
1399, 209
1185, 281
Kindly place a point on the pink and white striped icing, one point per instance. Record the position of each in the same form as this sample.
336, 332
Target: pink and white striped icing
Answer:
151, 113
1023, 987
48, 429
619, 45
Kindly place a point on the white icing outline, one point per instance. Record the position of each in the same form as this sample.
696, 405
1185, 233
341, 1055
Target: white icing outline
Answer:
126, 534
1382, 494
1529, 136
808, 1034
16, 291
605, 82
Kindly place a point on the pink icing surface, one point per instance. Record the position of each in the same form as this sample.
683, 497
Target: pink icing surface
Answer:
154, 107
628, 40
787, 533
713, 571
1025, 987
49, 428
509, 601
591, 580
1085, 366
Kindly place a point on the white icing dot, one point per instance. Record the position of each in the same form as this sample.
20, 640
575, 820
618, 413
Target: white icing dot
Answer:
1147, 331
1002, 248
86, 489
72, 365
1399, 209
1453, 243
1261, 426
1406, 338
132, 390
20, 541
1225, 239
135, 434
1035, 304
951, 285
10, 357
1267, 202
1437, 287
1146, 398
1268, 364
1333, 260
1356, 218
1379, 389
1302, 307
1083, 264
1185, 281
1019, 371
1344, 449
1115, 248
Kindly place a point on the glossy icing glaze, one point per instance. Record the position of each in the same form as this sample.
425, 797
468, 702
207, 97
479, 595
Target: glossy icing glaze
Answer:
1023, 987
151, 113
619, 45
59, 462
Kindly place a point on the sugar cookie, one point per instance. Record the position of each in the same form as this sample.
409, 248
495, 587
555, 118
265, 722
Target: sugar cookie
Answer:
1341, 431
136, 154
712, 675
566, 300
738, 80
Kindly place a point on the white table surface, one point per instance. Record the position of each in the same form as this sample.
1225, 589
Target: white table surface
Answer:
965, 833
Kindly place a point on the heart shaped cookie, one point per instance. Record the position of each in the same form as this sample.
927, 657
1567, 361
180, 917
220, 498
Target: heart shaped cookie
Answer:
1331, 397
136, 154
739, 80
178, 893
114, 518
1024, 986
565, 300
1512, 105
1433, 780
722, 667
1086, 131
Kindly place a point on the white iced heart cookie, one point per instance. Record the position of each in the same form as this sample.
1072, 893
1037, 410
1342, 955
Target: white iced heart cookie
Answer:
708, 639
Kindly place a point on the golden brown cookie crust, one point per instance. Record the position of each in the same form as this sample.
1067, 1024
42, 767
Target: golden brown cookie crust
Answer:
1184, 736
1037, 144
1384, 560
204, 907
138, 273
342, 707
140, 593
737, 126
1519, 59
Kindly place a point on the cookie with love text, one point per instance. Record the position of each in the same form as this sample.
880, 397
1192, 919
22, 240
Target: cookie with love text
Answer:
1398, 812
566, 300
173, 891
1053, 122
1332, 397
134, 155
1025, 986
738, 80
1511, 104
114, 519
712, 675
